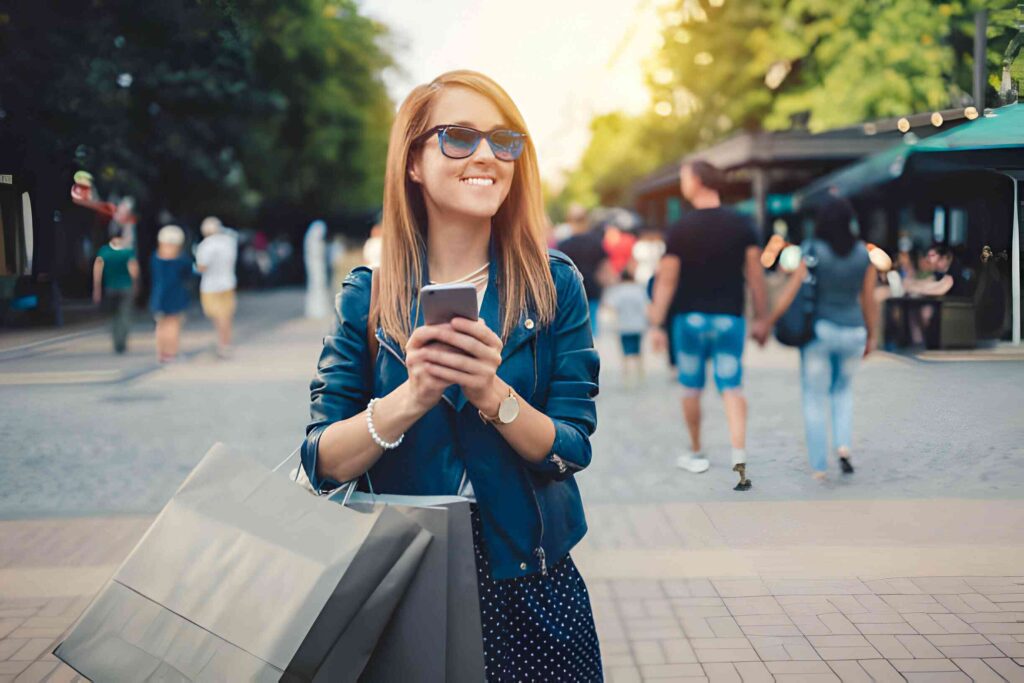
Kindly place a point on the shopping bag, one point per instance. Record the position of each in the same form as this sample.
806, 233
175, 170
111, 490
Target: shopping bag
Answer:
243, 576
435, 633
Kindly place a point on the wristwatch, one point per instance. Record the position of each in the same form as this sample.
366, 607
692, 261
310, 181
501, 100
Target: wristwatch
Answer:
508, 411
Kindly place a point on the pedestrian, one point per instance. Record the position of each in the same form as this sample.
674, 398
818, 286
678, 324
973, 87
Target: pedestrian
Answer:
115, 277
372, 246
710, 253
845, 330
168, 299
628, 299
314, 254
586, 249
215, 260
505, 417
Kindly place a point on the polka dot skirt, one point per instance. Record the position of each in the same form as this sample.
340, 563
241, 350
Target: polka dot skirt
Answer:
536, 628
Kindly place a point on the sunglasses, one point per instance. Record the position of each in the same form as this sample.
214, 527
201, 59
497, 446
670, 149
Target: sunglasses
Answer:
460, 142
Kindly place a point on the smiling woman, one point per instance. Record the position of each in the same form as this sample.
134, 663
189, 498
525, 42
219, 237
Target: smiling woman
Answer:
499, 409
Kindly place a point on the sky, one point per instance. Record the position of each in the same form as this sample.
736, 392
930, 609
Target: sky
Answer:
562, 61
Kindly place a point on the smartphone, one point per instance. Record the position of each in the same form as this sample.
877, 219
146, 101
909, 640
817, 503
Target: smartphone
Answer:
441, 303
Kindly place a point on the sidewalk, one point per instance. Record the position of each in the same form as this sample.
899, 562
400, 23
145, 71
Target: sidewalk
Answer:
689, 581
814, 591
83, 354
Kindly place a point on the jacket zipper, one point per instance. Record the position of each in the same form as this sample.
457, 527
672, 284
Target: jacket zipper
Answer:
539, 550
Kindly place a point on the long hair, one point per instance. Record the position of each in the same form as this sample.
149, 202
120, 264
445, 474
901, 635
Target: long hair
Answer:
833, 224
516, 229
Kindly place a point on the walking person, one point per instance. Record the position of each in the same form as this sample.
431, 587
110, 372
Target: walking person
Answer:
505, 416
628, 299
586, 249
845, 330
216, 256
168, 299
710, 253
115, 277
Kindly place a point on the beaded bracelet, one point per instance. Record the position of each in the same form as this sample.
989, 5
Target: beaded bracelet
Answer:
373, 432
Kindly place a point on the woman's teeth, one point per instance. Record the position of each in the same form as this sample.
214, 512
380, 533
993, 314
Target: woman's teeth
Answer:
478, 181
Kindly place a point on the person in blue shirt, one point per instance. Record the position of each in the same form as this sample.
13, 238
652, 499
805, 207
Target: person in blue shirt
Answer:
168, 300
500, 409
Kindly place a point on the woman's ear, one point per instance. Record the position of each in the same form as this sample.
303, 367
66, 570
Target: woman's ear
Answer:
414, 171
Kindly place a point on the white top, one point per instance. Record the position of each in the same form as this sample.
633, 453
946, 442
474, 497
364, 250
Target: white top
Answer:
629, 299
217, 254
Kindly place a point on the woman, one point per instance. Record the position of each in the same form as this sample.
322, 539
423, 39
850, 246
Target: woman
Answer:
845, 325
169, 298
505, 416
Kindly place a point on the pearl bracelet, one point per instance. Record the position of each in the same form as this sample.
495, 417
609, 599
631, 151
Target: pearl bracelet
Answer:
373, 432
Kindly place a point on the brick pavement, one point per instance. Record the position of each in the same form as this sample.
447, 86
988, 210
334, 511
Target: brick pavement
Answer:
779, 623
715, 588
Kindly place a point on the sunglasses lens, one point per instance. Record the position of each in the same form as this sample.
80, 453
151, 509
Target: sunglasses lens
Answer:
459, 143
507, 144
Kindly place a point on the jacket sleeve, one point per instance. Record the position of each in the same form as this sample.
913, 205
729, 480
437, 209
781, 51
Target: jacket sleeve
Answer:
574, 381
341, 387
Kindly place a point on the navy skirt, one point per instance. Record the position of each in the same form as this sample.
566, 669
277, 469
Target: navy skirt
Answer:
536, 628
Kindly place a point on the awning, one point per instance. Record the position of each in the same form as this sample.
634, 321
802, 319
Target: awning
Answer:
994, 141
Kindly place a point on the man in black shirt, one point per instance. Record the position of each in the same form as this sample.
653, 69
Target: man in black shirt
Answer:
710, 253
585, 249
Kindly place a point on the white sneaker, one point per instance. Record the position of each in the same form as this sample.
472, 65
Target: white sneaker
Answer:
693, 462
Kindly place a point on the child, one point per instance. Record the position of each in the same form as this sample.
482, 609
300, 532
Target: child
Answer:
629, 300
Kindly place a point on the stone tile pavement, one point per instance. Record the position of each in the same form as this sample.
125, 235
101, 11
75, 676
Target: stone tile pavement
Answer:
750, 629
776, 622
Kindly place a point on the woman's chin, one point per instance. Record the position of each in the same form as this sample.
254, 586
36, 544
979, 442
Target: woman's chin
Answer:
474, 210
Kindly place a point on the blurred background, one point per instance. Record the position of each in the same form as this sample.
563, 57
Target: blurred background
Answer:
270, 115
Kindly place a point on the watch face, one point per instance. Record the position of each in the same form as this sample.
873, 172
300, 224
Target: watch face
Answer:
508, 410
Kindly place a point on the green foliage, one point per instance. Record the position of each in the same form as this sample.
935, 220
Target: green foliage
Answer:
199, 106
732, 65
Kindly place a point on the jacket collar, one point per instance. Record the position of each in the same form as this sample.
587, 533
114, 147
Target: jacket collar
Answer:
490, 311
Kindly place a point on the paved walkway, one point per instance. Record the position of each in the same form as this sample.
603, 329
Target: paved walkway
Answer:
689, 580
684, 592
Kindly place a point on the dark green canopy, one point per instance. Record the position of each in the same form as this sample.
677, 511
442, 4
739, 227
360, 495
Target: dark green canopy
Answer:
993, 141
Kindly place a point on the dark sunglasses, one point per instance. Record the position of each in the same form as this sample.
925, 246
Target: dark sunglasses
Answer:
460, 142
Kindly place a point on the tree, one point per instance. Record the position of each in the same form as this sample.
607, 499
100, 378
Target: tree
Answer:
197, 106
725, 66
326, 149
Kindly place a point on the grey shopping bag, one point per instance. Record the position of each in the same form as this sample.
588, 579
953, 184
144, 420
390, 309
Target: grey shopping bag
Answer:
435, 633
243, 576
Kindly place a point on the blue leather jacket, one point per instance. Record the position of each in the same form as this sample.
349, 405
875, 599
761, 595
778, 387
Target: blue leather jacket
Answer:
532, 513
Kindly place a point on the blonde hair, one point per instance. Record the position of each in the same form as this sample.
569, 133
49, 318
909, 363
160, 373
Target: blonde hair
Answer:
171, 234
211, 225
517, 229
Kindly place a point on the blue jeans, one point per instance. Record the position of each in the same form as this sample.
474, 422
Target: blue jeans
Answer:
703, 337
827, 364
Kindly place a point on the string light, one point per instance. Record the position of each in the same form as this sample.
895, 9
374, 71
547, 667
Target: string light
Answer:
971, 113
937, 119
903, 124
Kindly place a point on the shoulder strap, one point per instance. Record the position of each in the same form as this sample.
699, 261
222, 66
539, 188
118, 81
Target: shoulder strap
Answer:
374, 316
